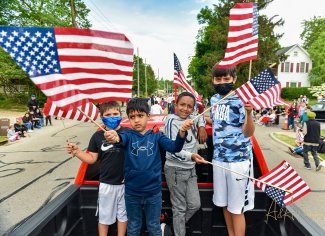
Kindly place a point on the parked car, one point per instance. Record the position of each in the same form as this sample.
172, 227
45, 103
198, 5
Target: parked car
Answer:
319, 109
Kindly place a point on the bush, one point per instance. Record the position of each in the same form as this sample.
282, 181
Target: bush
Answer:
290, 94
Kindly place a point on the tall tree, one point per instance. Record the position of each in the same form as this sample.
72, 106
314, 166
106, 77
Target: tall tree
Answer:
151, 78
313, 36
212, 42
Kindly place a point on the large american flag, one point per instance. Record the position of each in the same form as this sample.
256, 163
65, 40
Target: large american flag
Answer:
71, 113
285, 177
71, 65
242, 41
263, 91
180, 80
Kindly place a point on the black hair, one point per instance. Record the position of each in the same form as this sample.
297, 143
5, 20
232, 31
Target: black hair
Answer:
185, 94
108, 105
219, 72
156, 102
137, 104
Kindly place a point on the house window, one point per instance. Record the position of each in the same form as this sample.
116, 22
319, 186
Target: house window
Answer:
286, 66
293, 85
302, 67
295, 53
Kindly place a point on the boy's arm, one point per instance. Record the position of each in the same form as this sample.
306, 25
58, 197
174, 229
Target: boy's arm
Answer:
171, 131
202, 133
90, 157
248, 126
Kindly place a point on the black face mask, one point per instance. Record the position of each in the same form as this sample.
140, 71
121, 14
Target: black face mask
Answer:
223, 89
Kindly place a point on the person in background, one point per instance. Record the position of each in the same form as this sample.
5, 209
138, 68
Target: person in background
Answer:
20, 128
39, 115
156, 109
48, 120
11, 134
28, 122
33, 103
311, 141
111, 203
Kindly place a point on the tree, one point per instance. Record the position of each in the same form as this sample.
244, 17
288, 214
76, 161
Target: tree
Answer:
314, 42
151, 79
212, 42
318, 90
317, 54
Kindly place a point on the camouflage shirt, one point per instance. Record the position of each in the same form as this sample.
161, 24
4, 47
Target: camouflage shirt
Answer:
230, 144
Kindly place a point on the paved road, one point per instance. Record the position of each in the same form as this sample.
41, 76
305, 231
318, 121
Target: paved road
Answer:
313, 204
35, 170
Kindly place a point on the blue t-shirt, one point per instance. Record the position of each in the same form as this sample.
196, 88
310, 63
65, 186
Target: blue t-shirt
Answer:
230, 143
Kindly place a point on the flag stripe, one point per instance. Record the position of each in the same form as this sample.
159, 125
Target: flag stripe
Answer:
95, 59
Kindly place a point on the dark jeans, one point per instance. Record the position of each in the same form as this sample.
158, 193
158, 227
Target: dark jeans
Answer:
152, 208
291, 121
313, 150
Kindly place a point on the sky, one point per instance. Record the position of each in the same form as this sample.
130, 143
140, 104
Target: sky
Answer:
160, 28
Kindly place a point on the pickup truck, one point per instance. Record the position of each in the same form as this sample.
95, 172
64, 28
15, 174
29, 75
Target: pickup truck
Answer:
73, 211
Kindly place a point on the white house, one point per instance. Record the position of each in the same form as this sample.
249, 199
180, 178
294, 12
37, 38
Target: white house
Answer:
293, 71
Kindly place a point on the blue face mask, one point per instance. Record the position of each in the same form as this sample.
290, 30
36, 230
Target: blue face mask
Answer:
112, 122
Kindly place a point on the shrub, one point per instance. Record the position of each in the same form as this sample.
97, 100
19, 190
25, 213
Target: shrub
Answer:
290, 94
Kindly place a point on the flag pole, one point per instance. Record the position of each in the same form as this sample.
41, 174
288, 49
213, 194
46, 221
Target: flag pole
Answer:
250, 69
145, 75
91, 119
138, 74
228, 95
251, 178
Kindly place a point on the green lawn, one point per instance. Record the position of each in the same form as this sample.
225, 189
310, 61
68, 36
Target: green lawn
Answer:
291, 141
3, 139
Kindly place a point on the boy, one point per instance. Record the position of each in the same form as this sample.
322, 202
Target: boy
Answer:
142, 168
179, 168
232, 126
311, 141
111, 204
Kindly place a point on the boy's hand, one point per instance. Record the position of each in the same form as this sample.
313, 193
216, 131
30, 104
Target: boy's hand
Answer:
248, 107
186, 125
202, 134
198, 159
72, 148
111, 136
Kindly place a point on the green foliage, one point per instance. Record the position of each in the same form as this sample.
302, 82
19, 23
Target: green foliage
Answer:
145, 71
212, 42
317, 54
43, 13
289, 94
312, 29
317, 90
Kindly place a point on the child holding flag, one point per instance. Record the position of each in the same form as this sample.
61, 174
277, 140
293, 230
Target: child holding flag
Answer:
232, 126
142, 167
111, 204
180, 167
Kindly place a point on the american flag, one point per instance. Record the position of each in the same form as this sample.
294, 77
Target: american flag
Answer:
263, 91
242, 41
71, 113
285, 177
73, 65
180, 80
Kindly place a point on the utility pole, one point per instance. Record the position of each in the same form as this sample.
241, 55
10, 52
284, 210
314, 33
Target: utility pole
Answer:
145, 76
73, 14
138, 74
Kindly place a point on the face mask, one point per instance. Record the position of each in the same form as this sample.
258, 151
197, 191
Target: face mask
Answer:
223, 89
112, 122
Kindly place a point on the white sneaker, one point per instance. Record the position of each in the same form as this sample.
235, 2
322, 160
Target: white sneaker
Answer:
30, 131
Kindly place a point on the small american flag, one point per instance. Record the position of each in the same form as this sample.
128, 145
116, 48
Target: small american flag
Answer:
285, 177
180, 80
73, 65
263, 91
74, 114
242, 41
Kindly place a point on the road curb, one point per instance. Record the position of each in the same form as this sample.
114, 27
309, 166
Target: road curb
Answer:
278, 140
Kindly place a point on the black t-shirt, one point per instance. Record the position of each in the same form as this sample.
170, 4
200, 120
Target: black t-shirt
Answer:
111, 158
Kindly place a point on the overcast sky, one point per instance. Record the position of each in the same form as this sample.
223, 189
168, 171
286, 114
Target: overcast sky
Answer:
159, 28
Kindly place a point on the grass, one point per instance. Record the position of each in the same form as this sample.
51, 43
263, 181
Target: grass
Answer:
291, 141
3, 139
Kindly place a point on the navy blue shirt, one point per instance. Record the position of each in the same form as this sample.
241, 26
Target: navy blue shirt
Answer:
142, 164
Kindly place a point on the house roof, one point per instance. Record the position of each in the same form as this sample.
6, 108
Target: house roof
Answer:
284, 50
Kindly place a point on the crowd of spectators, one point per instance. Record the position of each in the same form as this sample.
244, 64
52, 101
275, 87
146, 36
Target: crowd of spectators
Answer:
32, 119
